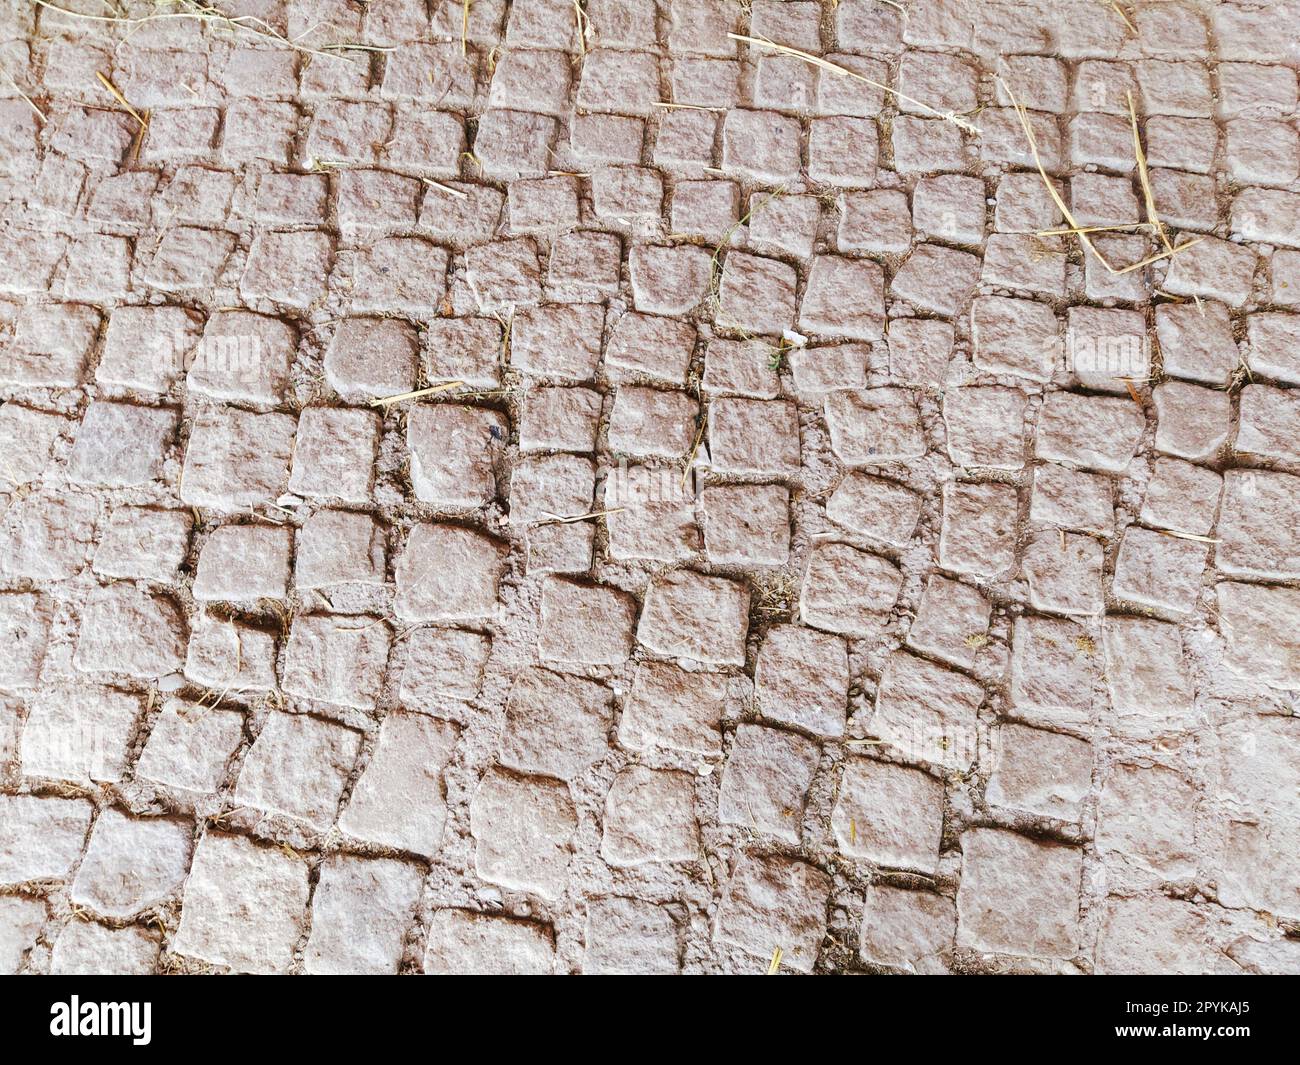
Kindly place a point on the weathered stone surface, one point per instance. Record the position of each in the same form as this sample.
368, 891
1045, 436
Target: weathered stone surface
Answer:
448, 573
927, 713
1093, 432
132, 863
585, 624
80, 735
1257, 525
1146, 824
452, 452
523, 831
875, 426
398, 800
1153, 935
650, 817
244, 907
443, 664
910, 930
979, 528
84, 948
334, 454
47, 537
337, 660
120, 445
25, 630
556, 725
951, 622
690, 615
1017, 895
775, 902
40, 837
630, 937
847, 591
473, 403
1040, 772
1054, 666
144, 543
127, 630
236, 458
766, 781
462, 942
802, 679
190, 746
888, 814
672, 708
360, 913
297, 767
244, 563
1257, 623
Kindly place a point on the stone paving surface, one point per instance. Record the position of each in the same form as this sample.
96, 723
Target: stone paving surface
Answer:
808, 561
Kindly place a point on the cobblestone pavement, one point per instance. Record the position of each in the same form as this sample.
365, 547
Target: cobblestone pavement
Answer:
801, 558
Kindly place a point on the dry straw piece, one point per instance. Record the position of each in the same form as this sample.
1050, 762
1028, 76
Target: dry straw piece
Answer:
192, 9
1082, 231
384, 401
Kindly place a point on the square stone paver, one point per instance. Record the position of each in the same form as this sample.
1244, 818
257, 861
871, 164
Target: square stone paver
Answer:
245, 905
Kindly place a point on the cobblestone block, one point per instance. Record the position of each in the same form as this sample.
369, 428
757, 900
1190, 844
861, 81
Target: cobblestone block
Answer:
339, 547
756, 295
1192, 422
230, 656
40, 837
1039, 916
1040, 772
190, 746
650, 817
127, 630
652, 422
754, 436
766, 780
978, 536
560, 342
1072, 499
1054, 668
297, 768
690, 615
236, 458
874, 426
843, 297
911, 930
775, 900
132, 863
523, 830
461, 941
986, 427
1094, 432
360, 913
452, 450
672, 708
927, 713
847, 591
889, 815
81, 735
245, 905
244, 563
398, 799
447, 573
555, 725
628, 936
951, 623
802, 680
84, 948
